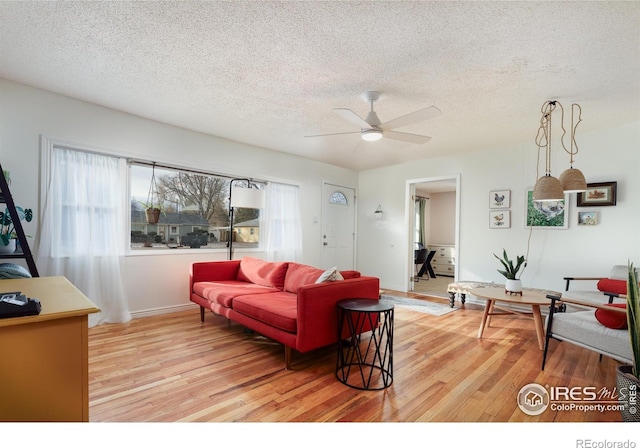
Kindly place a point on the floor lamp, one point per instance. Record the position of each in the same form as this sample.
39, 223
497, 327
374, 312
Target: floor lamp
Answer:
242, 197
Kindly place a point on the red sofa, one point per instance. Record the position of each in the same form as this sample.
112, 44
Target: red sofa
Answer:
280, 300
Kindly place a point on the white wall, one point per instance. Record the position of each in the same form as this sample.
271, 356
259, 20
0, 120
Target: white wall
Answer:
151, 281
610, 155
383, 247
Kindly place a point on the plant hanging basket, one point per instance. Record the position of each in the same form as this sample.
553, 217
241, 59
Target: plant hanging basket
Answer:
152, 212
153, 215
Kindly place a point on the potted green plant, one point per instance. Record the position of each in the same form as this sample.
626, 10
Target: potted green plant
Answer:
628, 376
7, 228
152, 211
510, 272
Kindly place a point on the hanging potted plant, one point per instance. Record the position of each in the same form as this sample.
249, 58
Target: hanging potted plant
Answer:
628, 376
7, 229
513, 284
152, 208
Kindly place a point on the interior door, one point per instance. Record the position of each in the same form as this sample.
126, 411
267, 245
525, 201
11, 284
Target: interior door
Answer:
338, 226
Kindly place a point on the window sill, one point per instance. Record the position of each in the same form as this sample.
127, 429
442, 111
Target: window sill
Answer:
187, 251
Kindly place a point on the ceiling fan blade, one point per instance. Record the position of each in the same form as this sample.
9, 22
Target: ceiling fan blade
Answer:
405, 137
351, 116
338, 133
414, 117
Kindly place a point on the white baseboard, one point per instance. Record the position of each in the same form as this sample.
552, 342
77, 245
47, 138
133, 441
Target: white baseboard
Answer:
164, 310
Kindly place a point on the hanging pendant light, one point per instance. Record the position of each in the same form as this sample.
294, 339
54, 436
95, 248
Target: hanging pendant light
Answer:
547, 187
572, 179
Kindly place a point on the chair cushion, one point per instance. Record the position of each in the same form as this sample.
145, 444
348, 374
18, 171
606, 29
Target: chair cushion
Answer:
612, 319
263, 273
582, 328
619, 272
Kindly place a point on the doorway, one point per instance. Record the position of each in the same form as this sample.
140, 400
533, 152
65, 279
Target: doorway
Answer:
434, 211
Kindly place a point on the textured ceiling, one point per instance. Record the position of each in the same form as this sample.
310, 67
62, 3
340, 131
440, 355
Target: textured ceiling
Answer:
269, 73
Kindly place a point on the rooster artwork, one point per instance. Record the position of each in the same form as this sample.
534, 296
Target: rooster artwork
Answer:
498, 199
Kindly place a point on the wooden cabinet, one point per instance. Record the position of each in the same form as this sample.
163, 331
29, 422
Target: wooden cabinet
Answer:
44, 361
444, 260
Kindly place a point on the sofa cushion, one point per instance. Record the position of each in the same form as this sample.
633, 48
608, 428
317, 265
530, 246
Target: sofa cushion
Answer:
280, 310
612, 319
223, 292
263, 273
299, 275
612, 285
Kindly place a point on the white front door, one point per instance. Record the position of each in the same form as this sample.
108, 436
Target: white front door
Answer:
338, 226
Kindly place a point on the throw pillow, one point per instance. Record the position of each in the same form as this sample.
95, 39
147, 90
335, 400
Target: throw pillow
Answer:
612, 285
330, 275
612, 319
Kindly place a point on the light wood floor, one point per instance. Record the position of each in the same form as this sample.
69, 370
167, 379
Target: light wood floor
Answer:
172, 368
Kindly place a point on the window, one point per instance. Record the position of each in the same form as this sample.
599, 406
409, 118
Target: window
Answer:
194, 210
339, 198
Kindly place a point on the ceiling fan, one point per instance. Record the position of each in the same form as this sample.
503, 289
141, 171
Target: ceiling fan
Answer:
372, 129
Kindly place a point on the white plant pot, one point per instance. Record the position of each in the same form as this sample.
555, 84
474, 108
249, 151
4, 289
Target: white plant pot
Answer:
9, 248
513, 286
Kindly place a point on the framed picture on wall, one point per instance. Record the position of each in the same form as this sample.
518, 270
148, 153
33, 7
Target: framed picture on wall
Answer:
500, 220
547, 215
603, 193
587, 218
500, 199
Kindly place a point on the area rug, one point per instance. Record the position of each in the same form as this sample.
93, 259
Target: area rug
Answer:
422, 306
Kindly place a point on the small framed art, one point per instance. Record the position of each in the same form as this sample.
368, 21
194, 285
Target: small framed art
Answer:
547, 215
603, 193
500, 220
499, 199
587, 218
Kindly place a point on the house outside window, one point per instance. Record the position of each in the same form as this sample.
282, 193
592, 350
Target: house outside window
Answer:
194, 210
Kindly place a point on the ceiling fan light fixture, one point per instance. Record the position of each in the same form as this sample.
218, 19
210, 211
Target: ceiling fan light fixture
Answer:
371, 135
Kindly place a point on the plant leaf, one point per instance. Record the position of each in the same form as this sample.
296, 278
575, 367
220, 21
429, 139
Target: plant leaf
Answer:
633, 309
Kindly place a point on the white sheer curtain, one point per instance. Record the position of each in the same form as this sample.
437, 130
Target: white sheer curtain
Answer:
82, 234
282, 216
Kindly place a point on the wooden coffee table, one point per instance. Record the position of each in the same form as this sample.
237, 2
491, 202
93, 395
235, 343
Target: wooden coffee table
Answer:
528, 298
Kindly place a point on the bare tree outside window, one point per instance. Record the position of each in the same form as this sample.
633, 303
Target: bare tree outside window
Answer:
195, 211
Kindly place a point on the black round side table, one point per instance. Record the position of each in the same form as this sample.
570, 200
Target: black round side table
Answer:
365, 357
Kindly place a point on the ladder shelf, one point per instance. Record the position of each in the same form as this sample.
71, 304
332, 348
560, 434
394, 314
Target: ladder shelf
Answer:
6, 198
